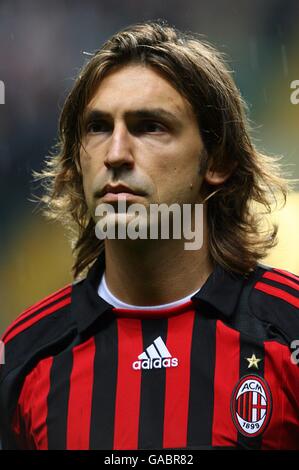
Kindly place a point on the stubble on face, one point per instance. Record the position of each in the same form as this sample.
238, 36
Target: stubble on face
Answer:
145, 135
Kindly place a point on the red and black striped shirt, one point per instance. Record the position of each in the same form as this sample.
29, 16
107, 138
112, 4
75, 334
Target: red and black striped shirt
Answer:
215, 372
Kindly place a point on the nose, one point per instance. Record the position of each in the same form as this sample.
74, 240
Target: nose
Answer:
119, 150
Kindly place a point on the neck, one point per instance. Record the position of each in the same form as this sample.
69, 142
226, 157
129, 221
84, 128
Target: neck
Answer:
153, 272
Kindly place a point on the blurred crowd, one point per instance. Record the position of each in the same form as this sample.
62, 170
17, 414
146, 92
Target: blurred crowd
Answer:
42, 47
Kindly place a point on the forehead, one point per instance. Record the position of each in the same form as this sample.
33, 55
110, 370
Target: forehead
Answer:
137, 86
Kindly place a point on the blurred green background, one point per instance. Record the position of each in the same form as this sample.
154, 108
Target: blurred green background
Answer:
42, 48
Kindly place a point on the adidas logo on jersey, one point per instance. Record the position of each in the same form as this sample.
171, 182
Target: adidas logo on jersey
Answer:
155, 356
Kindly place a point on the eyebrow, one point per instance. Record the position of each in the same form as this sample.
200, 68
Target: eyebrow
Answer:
143, 113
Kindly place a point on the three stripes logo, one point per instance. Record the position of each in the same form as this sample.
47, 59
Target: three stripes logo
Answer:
155, 356
251, 405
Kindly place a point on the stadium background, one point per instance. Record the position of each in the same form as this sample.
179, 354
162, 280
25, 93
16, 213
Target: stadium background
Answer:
41, 50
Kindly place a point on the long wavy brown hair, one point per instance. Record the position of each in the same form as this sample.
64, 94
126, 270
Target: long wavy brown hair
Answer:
237, 238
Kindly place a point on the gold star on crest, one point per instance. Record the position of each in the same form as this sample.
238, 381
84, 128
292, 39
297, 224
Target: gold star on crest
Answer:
253, 361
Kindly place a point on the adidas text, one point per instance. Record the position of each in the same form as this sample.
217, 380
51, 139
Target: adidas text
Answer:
155, 363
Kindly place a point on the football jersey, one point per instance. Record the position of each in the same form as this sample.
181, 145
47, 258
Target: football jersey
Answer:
217, 371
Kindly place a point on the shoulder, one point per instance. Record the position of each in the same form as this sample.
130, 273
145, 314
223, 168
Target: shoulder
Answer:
274, 300
37, 327
37, 333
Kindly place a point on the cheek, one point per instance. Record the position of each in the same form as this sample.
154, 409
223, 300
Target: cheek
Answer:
179, 180
87, 166
180, 172
85, 161
86, 169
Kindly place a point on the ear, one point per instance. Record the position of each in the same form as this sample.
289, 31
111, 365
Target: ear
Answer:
216, 177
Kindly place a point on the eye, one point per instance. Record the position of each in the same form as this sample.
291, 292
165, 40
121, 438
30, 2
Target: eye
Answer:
150, 127
95, 127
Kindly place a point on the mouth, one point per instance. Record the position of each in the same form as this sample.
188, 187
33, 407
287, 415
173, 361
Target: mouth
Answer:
119, 191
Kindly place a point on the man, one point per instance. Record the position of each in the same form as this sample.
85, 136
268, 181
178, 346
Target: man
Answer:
159, 346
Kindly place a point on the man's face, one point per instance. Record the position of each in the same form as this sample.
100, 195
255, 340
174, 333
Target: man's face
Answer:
141, 133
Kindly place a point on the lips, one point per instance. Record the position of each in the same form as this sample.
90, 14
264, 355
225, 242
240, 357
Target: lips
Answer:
119, 188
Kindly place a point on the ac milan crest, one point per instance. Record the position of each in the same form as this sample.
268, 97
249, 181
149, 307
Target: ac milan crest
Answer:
251, 405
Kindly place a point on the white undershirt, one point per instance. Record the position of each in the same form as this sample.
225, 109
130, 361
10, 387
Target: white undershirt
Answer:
107, 295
